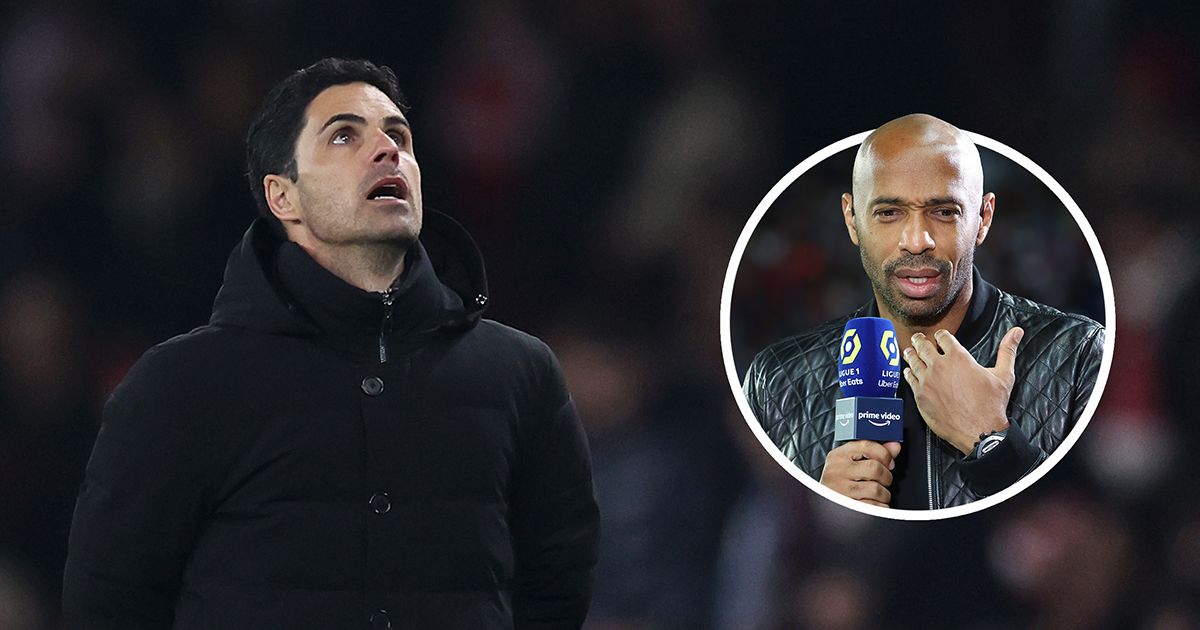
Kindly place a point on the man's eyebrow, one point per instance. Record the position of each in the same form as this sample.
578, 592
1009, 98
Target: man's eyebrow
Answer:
934, 201
390, 121
882, 200
395, 121
355, 118
940, 201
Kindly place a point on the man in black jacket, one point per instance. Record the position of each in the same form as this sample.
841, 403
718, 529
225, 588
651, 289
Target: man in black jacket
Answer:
347, 443
917, 213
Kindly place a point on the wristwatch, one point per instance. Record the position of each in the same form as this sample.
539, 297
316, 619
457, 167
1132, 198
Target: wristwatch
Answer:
987, 442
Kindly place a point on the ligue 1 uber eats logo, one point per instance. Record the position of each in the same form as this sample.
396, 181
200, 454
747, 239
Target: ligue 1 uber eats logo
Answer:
851, 345
870, 358
888, 345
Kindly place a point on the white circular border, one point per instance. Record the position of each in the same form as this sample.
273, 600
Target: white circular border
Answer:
1110, 321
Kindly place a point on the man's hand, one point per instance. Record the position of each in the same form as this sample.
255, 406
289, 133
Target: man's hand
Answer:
862, 470
959, 398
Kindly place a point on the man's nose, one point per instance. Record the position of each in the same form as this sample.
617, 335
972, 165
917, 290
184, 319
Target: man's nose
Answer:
916, 237
385, 149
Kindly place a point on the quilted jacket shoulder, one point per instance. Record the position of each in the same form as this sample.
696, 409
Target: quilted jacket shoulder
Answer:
792, 385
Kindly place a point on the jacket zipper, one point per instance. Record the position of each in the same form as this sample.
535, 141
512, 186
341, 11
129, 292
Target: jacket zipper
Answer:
929, 463
385, 326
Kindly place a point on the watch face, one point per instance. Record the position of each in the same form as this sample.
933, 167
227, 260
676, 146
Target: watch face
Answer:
990, 442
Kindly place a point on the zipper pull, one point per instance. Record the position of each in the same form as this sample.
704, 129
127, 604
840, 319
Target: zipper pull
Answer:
385, 326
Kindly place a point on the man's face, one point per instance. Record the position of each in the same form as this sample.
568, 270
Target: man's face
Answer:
358, 180
919, 213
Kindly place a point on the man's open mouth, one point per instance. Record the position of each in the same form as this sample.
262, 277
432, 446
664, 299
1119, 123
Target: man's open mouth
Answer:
918, 283
389, 189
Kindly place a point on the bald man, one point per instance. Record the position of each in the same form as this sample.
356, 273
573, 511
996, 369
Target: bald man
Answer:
992, 382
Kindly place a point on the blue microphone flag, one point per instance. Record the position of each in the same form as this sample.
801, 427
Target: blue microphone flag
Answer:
869, 375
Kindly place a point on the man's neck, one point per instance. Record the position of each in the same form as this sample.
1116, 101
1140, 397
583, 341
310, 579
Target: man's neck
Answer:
951, 321
370, 267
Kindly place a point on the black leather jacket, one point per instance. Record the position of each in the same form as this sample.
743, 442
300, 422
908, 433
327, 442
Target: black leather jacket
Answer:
792, 386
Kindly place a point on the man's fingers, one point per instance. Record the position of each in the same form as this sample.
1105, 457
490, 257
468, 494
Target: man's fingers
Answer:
925, 348
871, 470
911, 378
859, 450
947, 342
861, 470
913, 360
869, 491
1006, 356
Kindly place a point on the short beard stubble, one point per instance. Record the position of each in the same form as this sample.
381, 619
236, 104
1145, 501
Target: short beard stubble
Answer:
880, 280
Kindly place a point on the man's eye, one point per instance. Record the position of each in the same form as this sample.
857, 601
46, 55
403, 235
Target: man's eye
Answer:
399, 137
946, 212
341, 137
887, 213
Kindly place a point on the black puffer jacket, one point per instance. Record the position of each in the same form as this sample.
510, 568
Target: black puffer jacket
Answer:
314, 458
792, 386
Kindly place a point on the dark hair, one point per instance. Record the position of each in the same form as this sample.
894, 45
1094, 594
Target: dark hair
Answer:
271, 140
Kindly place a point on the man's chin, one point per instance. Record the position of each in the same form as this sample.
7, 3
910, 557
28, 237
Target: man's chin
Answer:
401, 238
919, 311
926, 317
404, 231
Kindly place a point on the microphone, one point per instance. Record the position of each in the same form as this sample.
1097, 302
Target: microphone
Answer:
868, 375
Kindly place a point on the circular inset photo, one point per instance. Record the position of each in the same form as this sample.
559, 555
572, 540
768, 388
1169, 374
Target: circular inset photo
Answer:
917, 321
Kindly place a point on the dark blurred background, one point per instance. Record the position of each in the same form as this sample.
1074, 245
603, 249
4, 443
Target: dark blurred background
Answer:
605, 155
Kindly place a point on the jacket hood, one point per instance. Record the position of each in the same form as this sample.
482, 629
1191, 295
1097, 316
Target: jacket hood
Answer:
271, 285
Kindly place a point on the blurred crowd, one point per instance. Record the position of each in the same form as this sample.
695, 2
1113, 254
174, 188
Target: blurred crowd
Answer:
605, 155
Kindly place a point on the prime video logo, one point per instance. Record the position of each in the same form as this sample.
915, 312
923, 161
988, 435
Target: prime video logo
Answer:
887, 417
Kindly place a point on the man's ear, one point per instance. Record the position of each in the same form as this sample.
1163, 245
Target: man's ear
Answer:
985, 217
848, 215
281, 197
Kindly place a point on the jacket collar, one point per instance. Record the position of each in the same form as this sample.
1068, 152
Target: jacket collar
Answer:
338, 308
981, 312
272, 285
